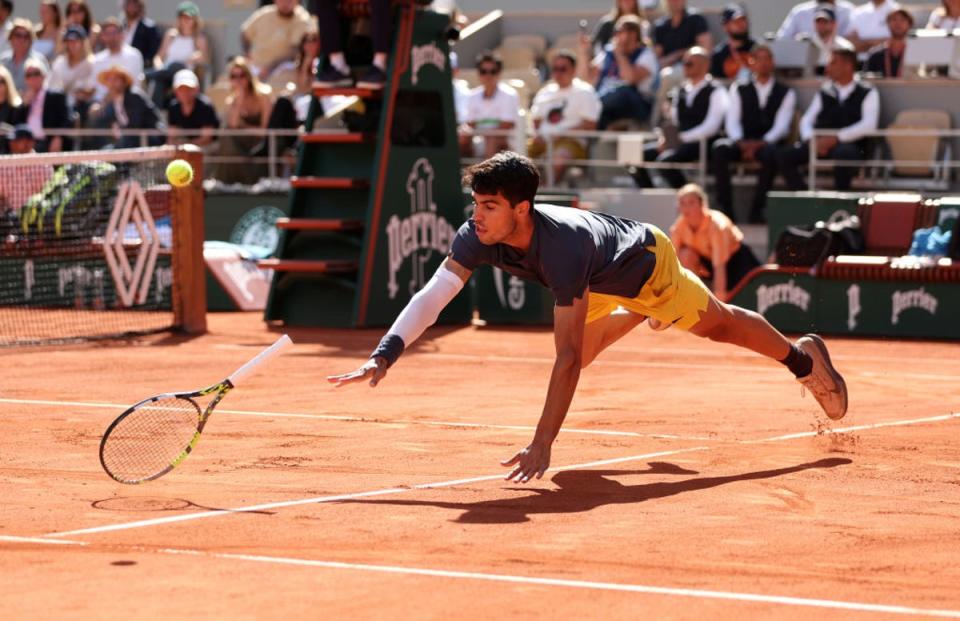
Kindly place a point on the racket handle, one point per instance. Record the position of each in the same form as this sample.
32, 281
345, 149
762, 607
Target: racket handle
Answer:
240, 374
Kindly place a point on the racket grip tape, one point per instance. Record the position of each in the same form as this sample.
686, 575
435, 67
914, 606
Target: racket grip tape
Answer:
240, 374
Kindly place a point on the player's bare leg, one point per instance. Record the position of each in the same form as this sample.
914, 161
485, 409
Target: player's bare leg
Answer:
602, 333
807, 358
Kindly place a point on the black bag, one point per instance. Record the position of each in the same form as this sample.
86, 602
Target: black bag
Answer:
809, 246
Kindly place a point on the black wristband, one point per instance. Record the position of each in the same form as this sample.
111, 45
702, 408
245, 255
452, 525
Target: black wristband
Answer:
390, 347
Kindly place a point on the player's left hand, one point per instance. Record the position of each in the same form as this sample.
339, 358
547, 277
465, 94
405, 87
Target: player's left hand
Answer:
531, 462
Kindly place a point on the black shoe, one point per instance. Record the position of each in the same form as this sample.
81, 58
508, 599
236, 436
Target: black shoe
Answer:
374, 78
331, 77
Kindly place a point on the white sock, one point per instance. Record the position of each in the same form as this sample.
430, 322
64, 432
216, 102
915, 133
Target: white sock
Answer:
339, 62
380, 61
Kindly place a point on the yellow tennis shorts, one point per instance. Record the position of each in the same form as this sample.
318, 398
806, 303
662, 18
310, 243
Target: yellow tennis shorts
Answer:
673, 294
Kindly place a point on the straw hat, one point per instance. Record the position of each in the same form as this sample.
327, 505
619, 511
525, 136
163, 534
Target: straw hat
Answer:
119, 70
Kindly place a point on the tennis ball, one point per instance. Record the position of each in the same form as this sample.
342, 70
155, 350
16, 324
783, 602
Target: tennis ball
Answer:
179, 173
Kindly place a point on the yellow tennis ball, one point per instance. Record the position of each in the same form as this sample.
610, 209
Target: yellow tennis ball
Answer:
179, 173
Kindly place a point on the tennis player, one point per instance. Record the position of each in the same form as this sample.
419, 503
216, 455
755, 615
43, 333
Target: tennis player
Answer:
594, 264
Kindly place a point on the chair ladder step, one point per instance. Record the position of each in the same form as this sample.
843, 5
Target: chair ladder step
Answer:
319, 224
303, 266
329, 183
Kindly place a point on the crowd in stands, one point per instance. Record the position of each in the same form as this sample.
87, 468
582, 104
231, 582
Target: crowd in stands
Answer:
716, 99
719, 99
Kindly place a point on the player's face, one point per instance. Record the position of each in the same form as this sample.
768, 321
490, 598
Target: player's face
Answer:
691, 209
493, 217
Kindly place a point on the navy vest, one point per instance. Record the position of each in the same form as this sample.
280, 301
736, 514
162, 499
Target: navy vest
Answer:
689, 117
758, 121
837, 115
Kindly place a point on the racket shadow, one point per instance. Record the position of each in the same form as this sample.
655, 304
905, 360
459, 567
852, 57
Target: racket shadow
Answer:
581, 491
158, 503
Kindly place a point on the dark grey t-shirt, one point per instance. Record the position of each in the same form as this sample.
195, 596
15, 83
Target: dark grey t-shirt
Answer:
571, 249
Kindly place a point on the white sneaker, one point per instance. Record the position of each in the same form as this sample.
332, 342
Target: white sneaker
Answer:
824, 381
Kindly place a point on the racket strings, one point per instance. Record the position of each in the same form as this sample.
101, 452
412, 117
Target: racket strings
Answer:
148, 441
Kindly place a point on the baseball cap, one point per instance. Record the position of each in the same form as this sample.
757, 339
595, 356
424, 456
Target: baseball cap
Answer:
185, 77
825, 12
732, 12
74, 33
188, 8
20, 132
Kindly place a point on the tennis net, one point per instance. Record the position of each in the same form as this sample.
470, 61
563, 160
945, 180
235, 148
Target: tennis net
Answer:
97, 245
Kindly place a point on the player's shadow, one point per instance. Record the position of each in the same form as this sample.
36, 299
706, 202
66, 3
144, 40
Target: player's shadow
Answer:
585, 490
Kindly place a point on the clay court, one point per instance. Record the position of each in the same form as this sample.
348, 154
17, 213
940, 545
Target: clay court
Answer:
690, 481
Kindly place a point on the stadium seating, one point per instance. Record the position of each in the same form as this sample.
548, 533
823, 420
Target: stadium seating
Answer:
920, 147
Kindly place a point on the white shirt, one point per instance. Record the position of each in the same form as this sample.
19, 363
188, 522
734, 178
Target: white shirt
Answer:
869, 21
827, 46
461, 93
559, 109
35, 115
938, 20
715, 113
870, 115
130, 31
488, 113
800, 19
69, 79
647, 59
5, 34
129, 58
781, 122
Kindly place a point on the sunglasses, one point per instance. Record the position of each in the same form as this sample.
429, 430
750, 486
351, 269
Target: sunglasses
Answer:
238, 76
688, 63
559, 69
487, 72
20, 35
33, 74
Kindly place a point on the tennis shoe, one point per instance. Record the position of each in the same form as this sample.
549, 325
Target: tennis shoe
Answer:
331, 77
824, 381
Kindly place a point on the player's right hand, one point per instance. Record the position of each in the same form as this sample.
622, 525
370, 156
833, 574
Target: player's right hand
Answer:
375, 369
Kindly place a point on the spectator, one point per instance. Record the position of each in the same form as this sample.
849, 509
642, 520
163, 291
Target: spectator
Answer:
698, 110
6, 23
302, 70
47, 35
46, 109
945, 17
494, 105
844, 104
868, 24
247, 108
563, 104
125, 107
191, 117
15, 59
183, 47
139, 31
731, 58
12, 111
678, 31
799, 22
825, 36
758, 120
72, 71
603, 32
461, 91
115, 52
709, 244
624, 74
338, 73
887, 60
19, 183
269, 36
78, 14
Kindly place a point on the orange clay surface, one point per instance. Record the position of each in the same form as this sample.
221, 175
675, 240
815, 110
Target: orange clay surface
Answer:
692, 481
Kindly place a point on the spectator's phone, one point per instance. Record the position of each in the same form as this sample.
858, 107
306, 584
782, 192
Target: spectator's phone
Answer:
583, 26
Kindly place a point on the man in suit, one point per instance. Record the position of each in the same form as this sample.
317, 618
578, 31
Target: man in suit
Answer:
758, 119
46, 109
140, 31
847, 106
698, 109
126, 108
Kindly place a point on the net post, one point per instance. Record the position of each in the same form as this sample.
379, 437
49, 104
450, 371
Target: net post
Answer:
187, 206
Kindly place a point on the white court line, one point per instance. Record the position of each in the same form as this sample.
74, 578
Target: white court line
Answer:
638, 364
381, 492
375, 421
400, 490
755, 598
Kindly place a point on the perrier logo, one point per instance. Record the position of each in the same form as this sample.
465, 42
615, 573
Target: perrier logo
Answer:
420, 234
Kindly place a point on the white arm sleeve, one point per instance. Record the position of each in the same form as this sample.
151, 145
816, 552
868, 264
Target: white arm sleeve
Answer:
424, 308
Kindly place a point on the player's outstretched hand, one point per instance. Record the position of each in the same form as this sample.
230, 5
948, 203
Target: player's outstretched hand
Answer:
375, 369
531, 462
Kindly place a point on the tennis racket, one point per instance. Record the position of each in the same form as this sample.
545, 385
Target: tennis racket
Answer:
154, 436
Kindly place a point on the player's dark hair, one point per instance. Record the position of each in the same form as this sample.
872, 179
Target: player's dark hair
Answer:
513, 175
8, 5
490, 57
